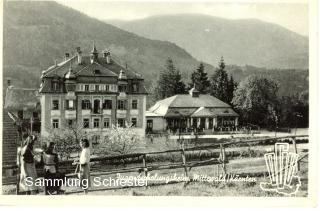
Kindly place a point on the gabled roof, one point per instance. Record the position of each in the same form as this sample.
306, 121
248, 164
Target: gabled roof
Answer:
203, 112
186, 105
21, 99
112, 69
186, 100
90, 69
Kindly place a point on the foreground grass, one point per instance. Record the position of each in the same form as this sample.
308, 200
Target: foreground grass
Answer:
202, 188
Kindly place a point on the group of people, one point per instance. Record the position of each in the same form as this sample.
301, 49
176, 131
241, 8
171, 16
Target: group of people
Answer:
27, 159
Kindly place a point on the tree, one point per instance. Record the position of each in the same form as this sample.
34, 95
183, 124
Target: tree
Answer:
294, 110
119, 141
67, 138
231, 87
200, 79
219, 83
256, 99
170, 82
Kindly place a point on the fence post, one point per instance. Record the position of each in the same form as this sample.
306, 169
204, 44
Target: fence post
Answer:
296, 151
145, 168
184, 164
144, 163
223, 158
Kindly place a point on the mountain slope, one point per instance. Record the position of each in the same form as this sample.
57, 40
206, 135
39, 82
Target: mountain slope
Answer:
241, 42
37, 33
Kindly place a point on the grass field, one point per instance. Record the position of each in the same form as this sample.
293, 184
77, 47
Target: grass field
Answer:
252, 165
248, 166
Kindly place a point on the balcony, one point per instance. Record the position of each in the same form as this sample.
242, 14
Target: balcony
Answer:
55, 113
134, 112
121, 113
85, 112
70, 114
106, 111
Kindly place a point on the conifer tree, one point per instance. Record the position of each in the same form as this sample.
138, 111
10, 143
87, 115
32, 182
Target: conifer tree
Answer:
170, 82
200, 79
219, 83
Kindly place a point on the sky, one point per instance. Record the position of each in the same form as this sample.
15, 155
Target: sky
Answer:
293, 15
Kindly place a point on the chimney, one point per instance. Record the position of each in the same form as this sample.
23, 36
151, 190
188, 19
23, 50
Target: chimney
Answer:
67, 55
106, 56
79, 53
194, 92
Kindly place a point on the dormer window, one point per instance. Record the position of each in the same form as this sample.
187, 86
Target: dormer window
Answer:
97, 71
122, 88
134, 87
55, 86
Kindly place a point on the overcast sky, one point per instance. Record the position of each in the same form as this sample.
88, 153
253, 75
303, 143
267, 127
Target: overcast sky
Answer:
293, 16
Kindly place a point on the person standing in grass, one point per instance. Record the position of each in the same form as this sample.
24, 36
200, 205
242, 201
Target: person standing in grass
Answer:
27, 167
85, 165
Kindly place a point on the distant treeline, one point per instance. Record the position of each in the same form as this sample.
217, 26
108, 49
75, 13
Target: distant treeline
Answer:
267, 98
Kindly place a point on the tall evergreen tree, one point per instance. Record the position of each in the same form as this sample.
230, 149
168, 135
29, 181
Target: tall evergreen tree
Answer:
232, 85
200, 79
219, 83
170, 82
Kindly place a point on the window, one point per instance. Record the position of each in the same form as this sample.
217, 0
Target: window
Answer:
121, 122
95, 139
107, 87
96, 106
69, 104
122, 88
122, 104
70, 122
107, 104
112, 87
55, 104
134, 104
134, 121
55, 123
96, 88
55, 86
96, 123
86, 123
135, 87
35, 114
86, 105
106, 122
86, 87
20, 114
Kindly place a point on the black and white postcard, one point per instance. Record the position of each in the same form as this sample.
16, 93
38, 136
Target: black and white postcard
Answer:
132, 99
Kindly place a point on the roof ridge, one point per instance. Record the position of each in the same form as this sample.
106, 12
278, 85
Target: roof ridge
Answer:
25, 89
58, 65
97, 63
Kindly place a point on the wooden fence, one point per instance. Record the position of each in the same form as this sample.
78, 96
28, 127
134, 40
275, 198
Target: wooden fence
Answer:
146, 167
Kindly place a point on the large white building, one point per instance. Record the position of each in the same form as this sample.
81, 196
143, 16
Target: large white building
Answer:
191, 111
94, 91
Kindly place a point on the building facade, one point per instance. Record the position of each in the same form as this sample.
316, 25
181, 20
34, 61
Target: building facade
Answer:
94, 92
191, 112
24, 105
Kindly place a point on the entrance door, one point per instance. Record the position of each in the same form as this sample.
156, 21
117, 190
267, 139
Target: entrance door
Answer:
210, 123
149, 125
203, 123
96, 106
